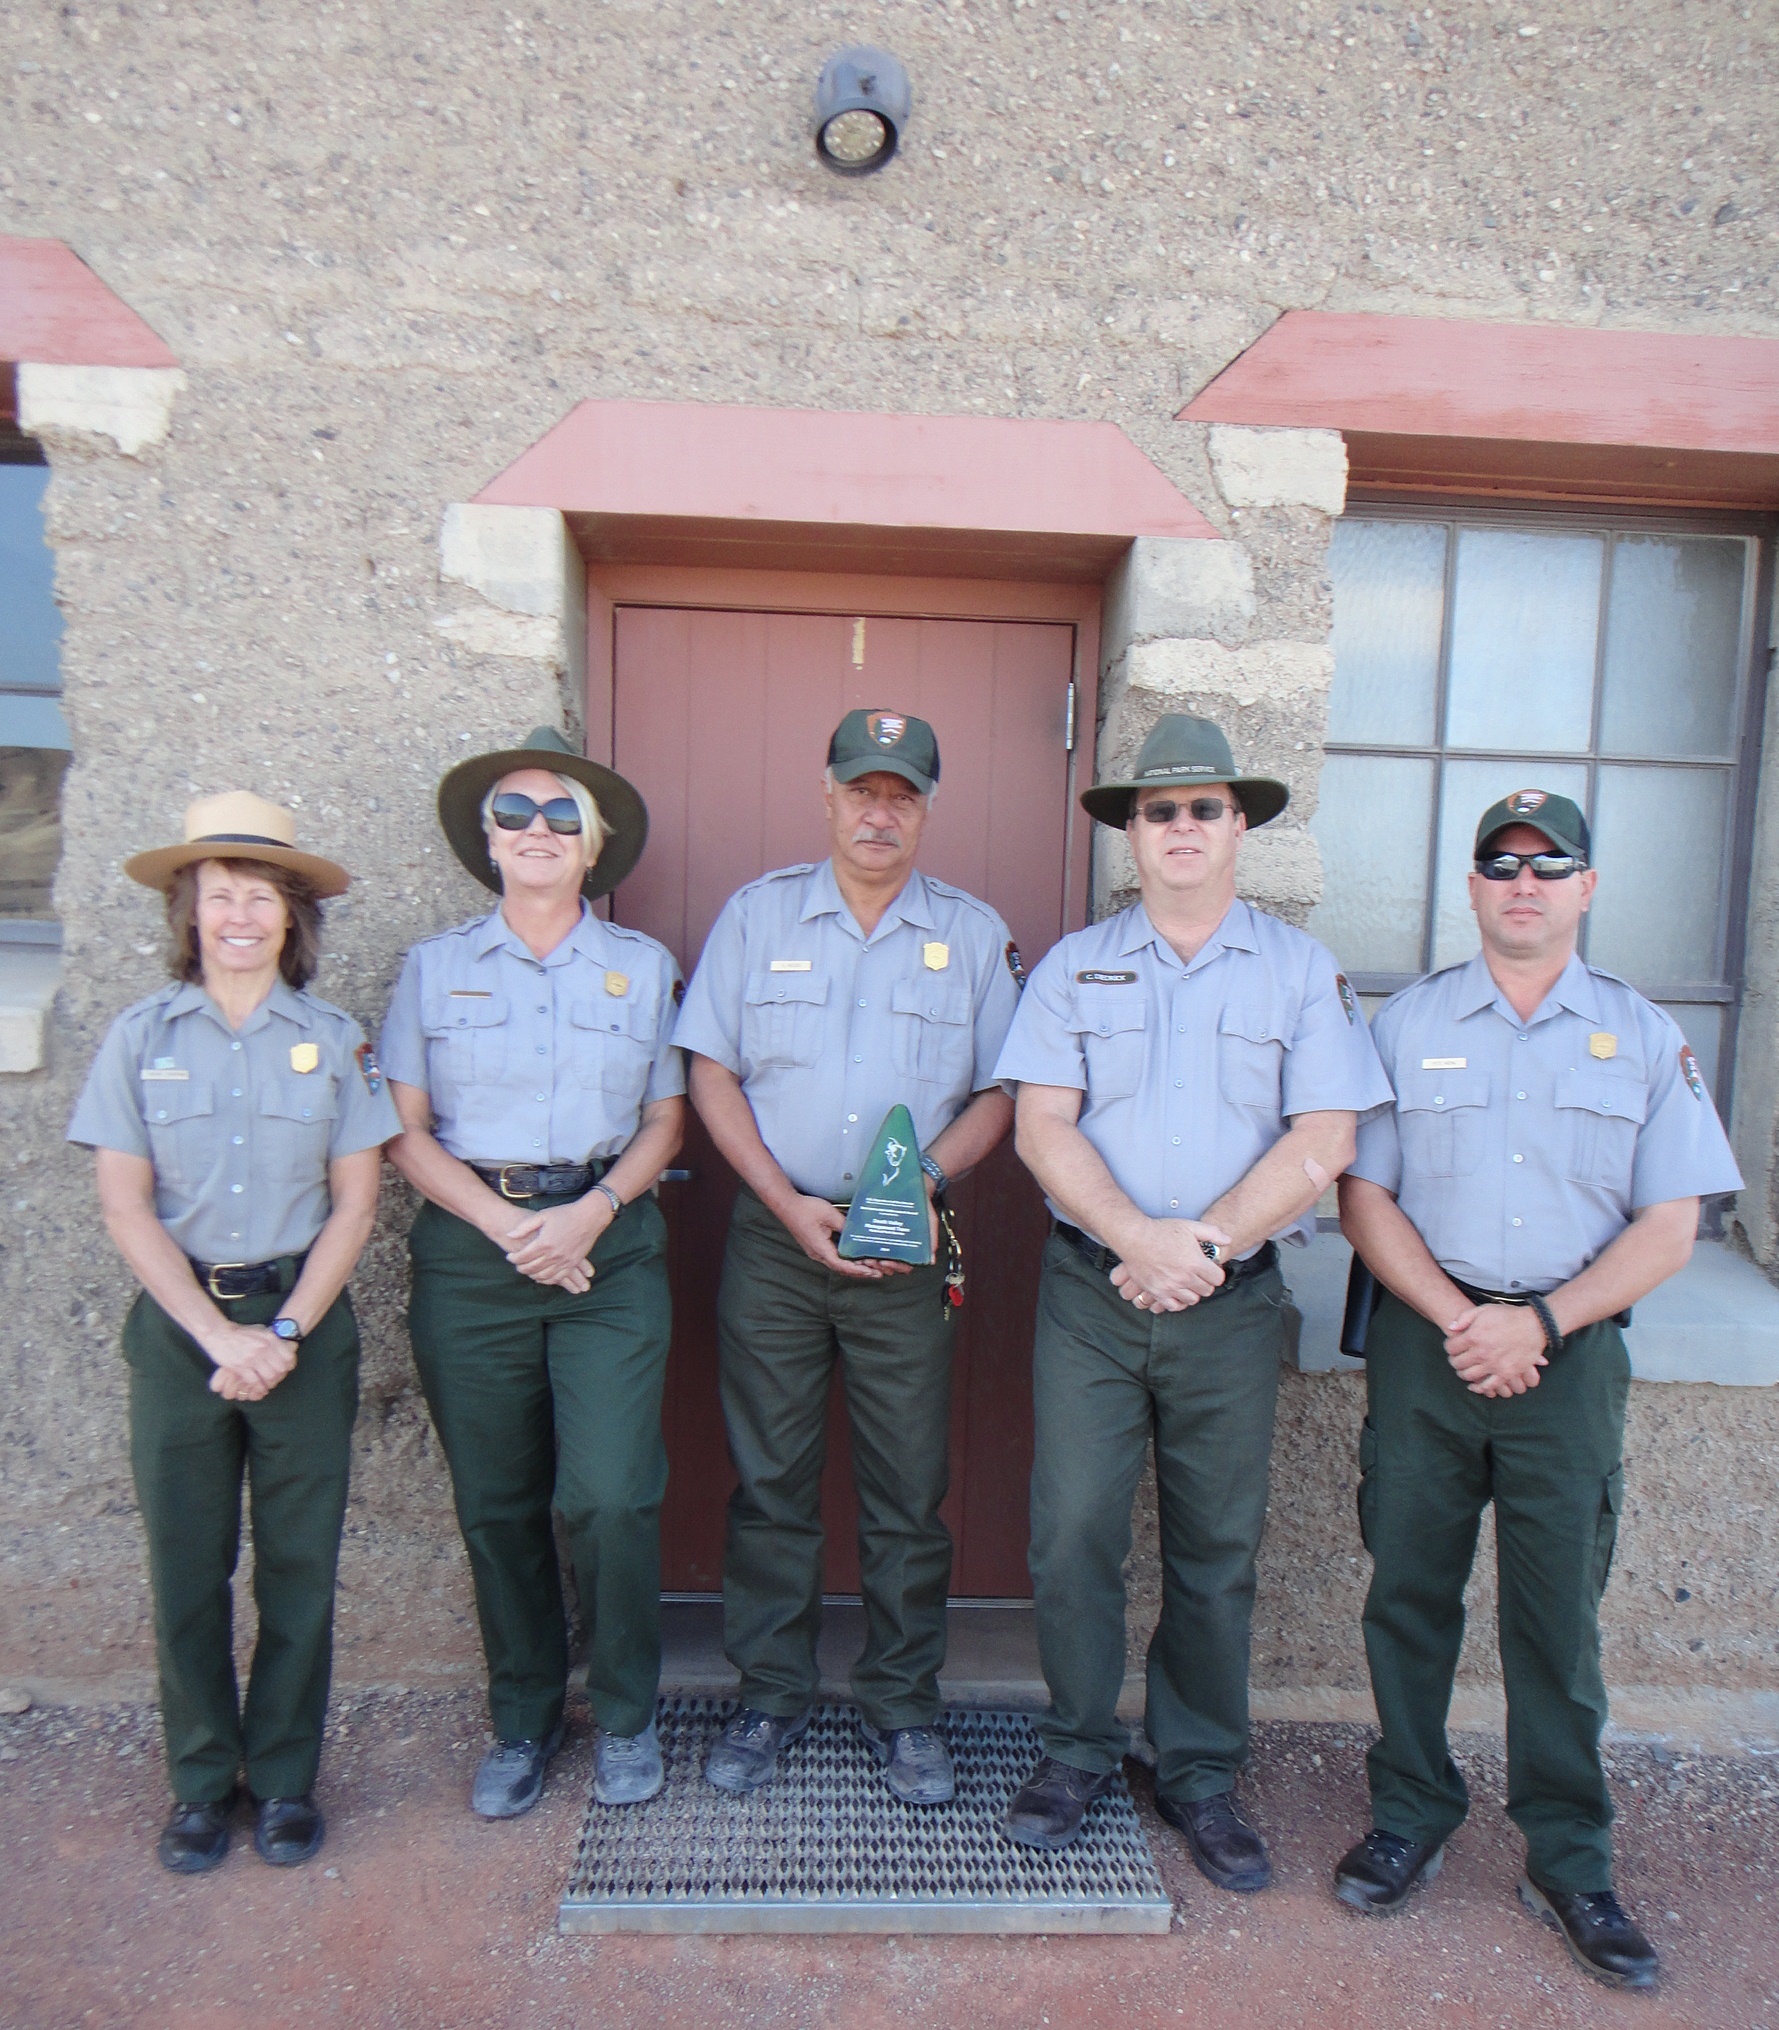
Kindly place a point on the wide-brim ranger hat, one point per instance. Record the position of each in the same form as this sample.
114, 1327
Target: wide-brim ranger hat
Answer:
626, 815
1180, 752
237, 825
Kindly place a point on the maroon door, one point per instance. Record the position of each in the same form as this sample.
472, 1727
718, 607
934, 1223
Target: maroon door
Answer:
722, 721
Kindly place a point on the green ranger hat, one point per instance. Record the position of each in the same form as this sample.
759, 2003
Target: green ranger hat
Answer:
626, 815
865, 742
1555, 816
1182, 751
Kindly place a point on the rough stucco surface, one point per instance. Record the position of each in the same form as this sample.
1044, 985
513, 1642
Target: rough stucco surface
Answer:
391, 247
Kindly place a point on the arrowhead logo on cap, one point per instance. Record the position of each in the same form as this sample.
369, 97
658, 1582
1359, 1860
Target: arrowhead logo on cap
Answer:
1524, 802
886, 728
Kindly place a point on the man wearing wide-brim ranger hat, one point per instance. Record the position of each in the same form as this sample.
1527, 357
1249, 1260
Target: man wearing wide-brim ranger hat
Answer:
238, 1121
540, 1097
1190, 1072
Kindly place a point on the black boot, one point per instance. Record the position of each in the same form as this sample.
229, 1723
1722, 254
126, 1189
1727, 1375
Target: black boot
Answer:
1226, 1847
1599, 1934
1377, 1874
196, 1836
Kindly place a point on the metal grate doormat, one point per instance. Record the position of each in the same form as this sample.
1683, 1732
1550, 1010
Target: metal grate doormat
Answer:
825, 1846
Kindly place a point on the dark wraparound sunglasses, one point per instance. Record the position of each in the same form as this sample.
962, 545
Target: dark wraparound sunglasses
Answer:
1544, 866
1206, 809
514, 811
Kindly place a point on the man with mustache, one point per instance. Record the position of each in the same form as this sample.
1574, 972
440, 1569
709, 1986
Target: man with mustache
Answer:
826, 994
1540, 1172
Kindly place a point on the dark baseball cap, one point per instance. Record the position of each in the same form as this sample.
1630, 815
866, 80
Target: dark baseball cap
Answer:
866, 741
1555, 816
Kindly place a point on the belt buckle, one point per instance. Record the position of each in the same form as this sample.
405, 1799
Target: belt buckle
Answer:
505, 1170
222, 1269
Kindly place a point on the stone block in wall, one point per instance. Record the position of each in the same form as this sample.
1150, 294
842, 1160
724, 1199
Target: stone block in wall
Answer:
1170, 586
1260, 672
530, 583
131, 406
1280, 468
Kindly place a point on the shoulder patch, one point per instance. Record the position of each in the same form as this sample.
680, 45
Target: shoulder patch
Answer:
1344, 988
1016, 965
1105, 976
1689, 1070
679, 992
369, 1069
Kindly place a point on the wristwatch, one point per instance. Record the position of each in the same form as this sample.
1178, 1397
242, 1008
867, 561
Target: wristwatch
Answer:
288, 1330
940, 1180
605, 1191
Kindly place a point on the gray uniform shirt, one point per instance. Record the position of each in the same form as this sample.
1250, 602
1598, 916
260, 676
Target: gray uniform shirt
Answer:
1518, 1150
1190, 1071
529, 1060
827, 1029
240, 1125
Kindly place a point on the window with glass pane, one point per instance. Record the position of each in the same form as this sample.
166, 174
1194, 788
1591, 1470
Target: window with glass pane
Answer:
33, 735
1483, 653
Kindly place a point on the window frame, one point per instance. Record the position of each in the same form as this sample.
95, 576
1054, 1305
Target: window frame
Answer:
1743, 767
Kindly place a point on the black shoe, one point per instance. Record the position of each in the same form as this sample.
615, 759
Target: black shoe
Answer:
288, 1830
196, 1836
1227, 1849
1052, 1802
1600, 1936
510, 1776
745, 1754
916, 1762
1377, 1874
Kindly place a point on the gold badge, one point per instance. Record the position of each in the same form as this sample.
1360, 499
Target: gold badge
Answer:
617, 984
304, 1056
937, 956
1602, 1044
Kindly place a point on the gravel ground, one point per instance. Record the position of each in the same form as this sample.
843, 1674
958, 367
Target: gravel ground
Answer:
417, 1914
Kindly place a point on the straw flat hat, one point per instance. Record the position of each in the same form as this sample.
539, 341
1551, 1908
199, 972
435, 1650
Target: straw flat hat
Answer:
237, 825
463, 788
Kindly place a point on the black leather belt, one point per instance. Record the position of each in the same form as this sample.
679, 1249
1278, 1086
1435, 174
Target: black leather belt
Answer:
1103, 1259
228, 1280
541, 1180
1619, 1318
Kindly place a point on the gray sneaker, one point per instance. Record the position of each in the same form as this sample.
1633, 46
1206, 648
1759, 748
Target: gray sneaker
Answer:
916, 1762
745, 1754
510, 1779
626, 1767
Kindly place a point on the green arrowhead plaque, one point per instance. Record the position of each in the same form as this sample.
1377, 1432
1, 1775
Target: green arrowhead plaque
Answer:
888, 1219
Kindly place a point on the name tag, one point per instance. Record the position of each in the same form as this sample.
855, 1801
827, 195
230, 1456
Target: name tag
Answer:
471, 994
790, 965
1445, 1064
161, 1071
1094, 977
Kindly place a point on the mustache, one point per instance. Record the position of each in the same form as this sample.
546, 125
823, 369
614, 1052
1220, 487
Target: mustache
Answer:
873, 835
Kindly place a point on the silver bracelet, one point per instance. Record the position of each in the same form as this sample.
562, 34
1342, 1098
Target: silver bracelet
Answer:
617, 1202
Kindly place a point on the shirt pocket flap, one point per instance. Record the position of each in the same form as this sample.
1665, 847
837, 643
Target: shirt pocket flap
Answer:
1599, 1092
765, 990
1255, 1025
1108, 1014
1438, 1092
447, 1012
932, 1003
299, 1099
176, 1100
613, 1016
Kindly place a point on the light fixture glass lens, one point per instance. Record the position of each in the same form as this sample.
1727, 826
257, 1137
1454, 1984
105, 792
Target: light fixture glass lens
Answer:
855, 137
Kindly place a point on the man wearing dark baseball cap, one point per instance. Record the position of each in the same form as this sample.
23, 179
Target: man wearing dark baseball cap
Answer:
826, 994
1540, 1172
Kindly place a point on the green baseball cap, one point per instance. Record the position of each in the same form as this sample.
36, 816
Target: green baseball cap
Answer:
1179, 752
1555, 816
865, 742
463, 788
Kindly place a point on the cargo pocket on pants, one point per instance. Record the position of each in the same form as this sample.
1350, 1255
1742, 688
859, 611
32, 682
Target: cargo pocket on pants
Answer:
1367, 1480
1612, 1501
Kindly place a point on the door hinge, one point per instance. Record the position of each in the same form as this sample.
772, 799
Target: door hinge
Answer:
1068, 724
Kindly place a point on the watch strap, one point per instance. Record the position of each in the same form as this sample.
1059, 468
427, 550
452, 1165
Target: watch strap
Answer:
1553, 1339
940, 1180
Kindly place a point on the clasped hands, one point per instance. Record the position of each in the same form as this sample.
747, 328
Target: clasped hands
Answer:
1169, 1270
554, 1246
251, 1360
815, 1225
1497, 1349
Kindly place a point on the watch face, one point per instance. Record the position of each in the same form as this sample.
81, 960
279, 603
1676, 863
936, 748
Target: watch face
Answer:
286, 1328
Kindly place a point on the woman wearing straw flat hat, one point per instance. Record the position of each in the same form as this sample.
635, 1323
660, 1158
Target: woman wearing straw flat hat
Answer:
237, 1121
541, 1100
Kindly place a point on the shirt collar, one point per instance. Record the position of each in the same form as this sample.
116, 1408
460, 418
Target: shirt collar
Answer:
494, 932
1235, 933
191, 997
1574, 990
913, 905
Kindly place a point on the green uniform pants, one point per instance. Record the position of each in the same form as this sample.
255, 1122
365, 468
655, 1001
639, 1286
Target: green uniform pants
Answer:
1432, 1456
1202, 1383
782, 1322
540, 1396
189, 1449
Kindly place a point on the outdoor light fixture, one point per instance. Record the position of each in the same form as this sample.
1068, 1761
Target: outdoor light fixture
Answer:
862, 102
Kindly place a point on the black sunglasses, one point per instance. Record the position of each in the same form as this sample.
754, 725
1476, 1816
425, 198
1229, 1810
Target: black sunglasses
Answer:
513, 812
1544, 866
1206, 809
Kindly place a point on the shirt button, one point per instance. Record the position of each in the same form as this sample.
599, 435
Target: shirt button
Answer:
858, 1060
238, 1140
1516, 1222
1439, 1099
543, 1096
1519, 1159
852, 1117
235, 1046
162, 1115
235, 1093
237, 1187
1176, 1141
234, 1237
1178, 1083
1519, 1096
542, 1009
535, 1143
1524, 1038
305, 1113
861, 1004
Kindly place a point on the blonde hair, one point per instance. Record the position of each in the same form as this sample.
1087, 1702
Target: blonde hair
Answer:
594, 829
